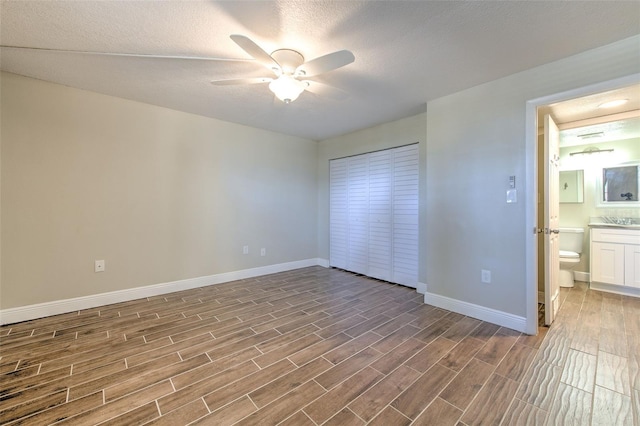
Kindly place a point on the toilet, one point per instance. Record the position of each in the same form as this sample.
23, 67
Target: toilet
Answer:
570, 249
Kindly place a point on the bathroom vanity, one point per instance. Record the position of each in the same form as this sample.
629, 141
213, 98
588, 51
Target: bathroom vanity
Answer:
615, 256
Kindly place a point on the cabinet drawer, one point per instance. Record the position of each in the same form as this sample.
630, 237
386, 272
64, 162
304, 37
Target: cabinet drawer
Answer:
615, 235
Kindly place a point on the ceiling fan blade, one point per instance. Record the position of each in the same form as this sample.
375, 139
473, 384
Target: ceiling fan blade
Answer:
237, 81
256, 52
129, 55
325, 63
326, 90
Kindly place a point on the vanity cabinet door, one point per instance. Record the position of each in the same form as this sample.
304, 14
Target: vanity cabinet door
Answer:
632, 266
607, 263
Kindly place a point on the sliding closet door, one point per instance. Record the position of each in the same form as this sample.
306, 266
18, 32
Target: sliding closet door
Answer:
374, 214
405, 215
338, 214
358, 212
380, 181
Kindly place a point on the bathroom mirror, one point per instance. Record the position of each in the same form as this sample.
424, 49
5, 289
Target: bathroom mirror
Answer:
618, 186
572, 186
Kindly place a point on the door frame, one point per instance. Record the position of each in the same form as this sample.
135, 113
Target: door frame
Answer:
531, 183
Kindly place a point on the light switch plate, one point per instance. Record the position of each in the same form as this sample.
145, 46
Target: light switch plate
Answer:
512, 196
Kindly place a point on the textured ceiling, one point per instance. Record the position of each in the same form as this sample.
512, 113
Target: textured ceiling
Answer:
585, 115
407, 53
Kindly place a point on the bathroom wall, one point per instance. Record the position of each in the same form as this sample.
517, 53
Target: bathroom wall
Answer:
578, 214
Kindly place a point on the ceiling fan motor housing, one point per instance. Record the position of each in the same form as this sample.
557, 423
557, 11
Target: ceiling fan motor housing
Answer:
288, 59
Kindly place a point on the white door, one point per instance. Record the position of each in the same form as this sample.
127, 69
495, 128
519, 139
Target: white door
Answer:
551, 219
338, 214
380, 232
373, 206
358, 211
405, 215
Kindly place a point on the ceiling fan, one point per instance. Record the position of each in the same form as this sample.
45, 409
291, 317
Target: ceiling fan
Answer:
288, 66
290, 70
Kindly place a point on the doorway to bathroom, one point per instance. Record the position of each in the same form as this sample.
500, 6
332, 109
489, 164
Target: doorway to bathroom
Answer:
571, 110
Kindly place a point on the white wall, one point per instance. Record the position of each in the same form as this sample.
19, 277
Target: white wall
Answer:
476, 139
160, 195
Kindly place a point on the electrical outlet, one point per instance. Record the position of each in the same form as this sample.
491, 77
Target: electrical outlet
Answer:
99, 266
263, 251
245, 249
486, 276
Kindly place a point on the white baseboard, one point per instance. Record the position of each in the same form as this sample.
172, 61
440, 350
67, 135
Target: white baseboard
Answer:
581, 276
40, 310
617, 289
421, 288
493, 316
322, 262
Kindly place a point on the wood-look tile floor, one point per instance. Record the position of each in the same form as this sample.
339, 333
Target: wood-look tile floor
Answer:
320, 346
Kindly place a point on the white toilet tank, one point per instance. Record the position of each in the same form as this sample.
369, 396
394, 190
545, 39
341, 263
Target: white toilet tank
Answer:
571, 239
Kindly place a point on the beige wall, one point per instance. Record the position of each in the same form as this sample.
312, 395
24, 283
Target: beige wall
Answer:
577, 214
162, 195
396, 133
158, 194
476, 139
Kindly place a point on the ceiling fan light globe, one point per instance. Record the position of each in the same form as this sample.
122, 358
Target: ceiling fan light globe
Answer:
286, 88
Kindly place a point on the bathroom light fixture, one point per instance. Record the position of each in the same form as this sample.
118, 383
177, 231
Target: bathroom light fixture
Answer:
614, 103
591, 150
286, 88
591, 135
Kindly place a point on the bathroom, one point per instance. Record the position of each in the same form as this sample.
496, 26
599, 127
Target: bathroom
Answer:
588, 157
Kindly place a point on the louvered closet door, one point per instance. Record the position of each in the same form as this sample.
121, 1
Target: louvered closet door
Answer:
338, 214
374, 214
380, 181
405, 215
358, 212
